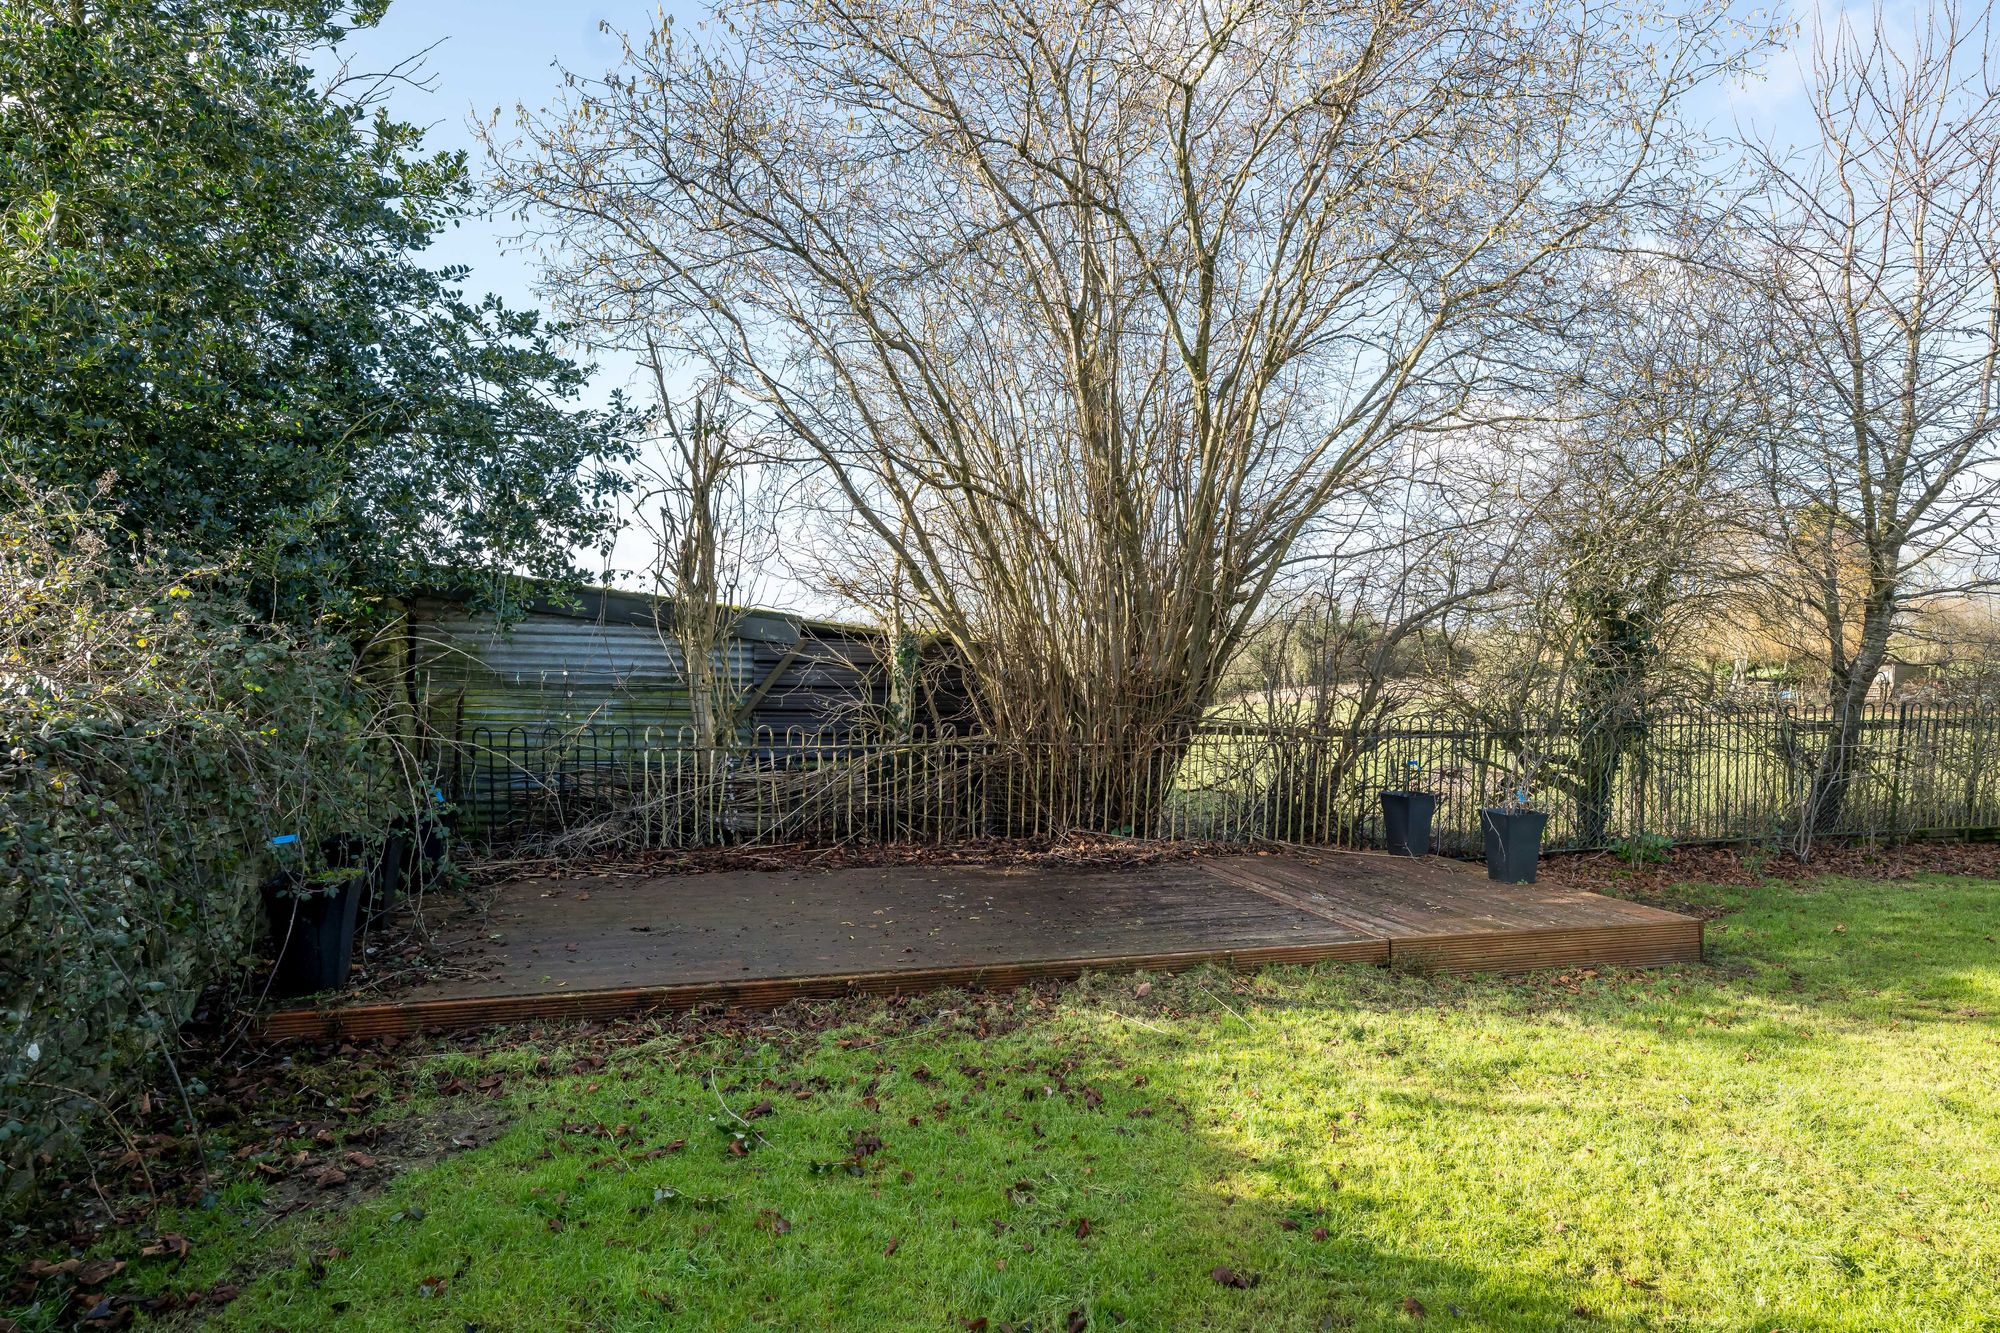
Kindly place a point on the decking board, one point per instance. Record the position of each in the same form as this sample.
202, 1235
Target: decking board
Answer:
599, 947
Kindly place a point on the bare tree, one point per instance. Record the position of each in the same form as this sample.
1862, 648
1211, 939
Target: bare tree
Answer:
1633, 518
699, 504
1091, 309
1879, 257
1339, 655
1648, 510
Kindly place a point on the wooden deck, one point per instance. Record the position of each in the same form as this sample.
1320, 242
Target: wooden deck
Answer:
605, 947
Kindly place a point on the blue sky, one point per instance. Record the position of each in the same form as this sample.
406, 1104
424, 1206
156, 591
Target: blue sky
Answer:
488, 55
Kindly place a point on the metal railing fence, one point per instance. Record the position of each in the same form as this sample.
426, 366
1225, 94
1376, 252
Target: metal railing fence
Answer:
1717, 775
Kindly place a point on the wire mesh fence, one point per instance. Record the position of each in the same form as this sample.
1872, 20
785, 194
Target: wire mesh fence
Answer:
1717, 775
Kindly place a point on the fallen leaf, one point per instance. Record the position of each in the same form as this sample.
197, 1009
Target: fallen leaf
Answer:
43, 1268
109, 1313
769, 1219
1082, 1228
170, 1245
662, 1150
1229, 1277
1078, 1321
1414, 1307
99, 1271
890, 1248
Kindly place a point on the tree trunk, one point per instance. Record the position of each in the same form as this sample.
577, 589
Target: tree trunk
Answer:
1602, 745
1838, 765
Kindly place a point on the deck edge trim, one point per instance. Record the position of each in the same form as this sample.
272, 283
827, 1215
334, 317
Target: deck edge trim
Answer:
400, 1017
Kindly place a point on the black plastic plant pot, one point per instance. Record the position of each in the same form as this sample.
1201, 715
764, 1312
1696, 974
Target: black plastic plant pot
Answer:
1406, 822
431, 847
385, 881
312, 932
1513, 844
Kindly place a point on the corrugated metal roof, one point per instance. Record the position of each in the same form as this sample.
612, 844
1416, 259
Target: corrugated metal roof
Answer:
614, 606
546, 651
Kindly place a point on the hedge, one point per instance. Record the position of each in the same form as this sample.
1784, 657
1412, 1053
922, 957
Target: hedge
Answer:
154, 735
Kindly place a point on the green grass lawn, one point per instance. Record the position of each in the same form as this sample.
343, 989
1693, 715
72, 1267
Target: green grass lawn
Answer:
1802, 1135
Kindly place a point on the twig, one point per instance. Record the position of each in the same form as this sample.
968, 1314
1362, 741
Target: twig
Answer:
710, 1079
1225, 1004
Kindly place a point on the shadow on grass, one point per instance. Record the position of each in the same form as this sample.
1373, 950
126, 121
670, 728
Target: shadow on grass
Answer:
1800, 1107
1161, 1261
991, 1151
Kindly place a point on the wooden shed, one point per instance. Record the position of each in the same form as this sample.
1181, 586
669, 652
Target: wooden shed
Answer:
567, 699
606, 658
